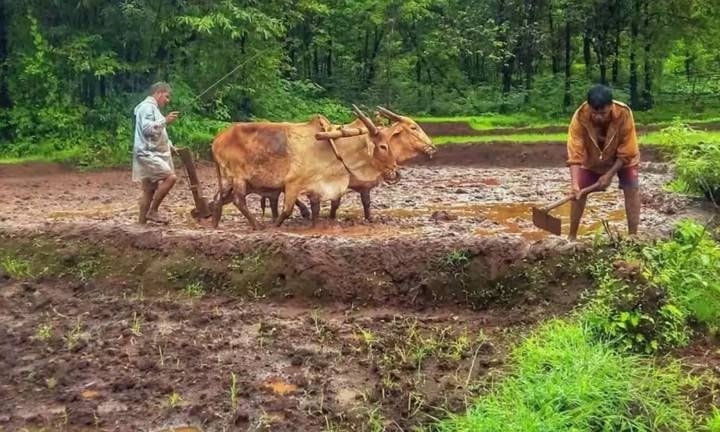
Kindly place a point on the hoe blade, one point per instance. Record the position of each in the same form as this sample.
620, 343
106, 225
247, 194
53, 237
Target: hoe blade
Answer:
545, 221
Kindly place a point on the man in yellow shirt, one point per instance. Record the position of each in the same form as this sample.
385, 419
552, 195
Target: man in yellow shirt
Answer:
601, 143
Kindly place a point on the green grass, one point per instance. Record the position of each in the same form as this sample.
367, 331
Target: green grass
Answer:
650, 138
517, 138
694, 138
564, 381
492, 121
495, 121
75, 155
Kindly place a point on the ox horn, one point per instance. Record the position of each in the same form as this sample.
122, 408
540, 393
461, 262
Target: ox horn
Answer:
389, 114
366, 120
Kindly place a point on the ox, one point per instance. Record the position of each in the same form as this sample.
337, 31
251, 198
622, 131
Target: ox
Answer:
266, 158
407, 140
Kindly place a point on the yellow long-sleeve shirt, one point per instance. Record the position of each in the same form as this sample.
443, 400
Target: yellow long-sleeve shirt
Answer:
620, 141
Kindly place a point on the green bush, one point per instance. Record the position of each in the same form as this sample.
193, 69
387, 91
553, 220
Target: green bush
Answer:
632, 314
688, 267
298, 101
649, 297
697, 162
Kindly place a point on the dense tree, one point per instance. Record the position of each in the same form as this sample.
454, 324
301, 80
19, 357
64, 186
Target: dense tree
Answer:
84, 61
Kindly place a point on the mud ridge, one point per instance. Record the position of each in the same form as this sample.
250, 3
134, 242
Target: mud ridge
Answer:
401, 271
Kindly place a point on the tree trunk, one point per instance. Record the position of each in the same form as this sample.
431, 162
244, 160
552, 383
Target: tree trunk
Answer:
328, 64
689, 60
567, 99
418, 75
634, 97
616, 60
586, 55
366, 56
506, 76
316, 63
5, 101
647, 95
554, 51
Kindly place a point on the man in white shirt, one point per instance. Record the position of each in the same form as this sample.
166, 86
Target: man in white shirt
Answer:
152, 158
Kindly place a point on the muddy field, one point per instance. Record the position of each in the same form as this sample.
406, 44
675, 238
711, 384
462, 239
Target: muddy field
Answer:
350, 325
457, 194
96, 360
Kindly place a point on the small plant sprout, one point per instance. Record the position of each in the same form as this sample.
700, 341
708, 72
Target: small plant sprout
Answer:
135, 325
174, 399
233, 390
43, 332
194, 289
368, 338
73, 336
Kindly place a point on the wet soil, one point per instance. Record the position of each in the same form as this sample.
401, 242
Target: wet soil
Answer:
464, 191
349, 325
80, 358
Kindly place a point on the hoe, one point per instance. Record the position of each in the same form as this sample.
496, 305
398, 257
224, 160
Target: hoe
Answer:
544, 220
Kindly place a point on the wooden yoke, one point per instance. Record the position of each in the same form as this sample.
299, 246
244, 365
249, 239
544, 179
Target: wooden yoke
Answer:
340, 133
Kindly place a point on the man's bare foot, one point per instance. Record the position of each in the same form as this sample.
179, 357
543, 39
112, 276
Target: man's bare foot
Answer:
155, 217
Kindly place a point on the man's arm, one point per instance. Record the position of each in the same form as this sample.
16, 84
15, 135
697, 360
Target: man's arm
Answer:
606, 178
150, 124
576, 153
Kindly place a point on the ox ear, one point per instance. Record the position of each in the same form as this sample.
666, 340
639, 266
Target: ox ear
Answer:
396, 129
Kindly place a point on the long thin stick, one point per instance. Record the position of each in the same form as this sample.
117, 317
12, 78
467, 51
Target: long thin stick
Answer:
225, 76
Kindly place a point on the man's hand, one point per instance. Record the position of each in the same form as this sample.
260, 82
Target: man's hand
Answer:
574, 192
171, 117
605, 180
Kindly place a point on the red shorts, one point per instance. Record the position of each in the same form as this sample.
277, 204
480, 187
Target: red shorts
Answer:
628, 177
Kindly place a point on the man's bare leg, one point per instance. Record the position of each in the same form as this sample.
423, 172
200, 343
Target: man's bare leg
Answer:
160, 193
148, 190
576, 211
632, 208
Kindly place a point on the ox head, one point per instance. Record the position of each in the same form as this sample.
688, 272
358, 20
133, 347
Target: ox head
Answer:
407, 138
379, 149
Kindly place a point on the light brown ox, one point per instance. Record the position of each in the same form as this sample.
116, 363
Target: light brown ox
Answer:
268, 157
407, 140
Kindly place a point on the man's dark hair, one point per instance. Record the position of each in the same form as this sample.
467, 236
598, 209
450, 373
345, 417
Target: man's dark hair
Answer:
599, 96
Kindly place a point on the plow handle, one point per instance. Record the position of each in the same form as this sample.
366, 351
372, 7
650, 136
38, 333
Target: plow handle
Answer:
187, 159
